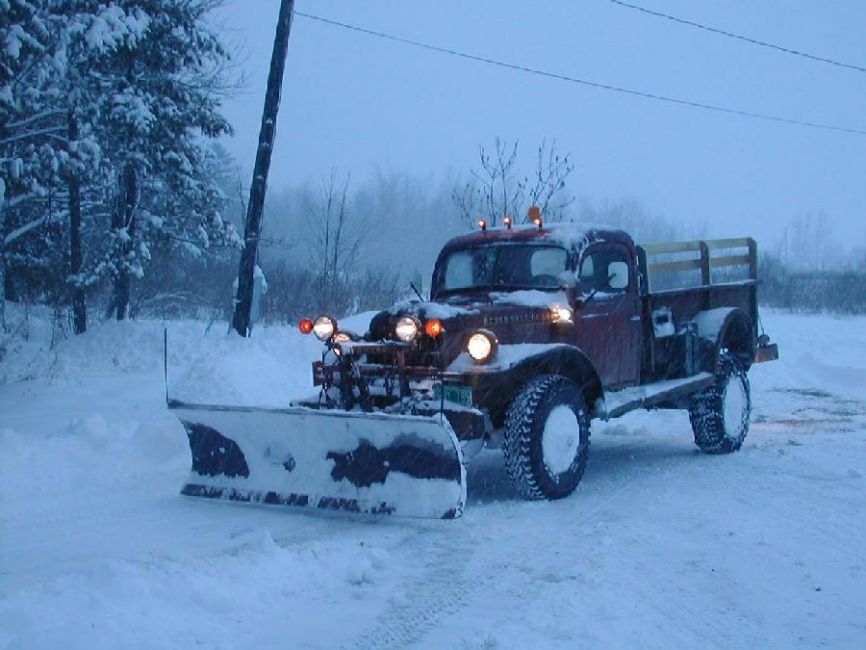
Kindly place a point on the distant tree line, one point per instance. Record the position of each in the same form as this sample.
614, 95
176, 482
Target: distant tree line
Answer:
201, 288
840, 291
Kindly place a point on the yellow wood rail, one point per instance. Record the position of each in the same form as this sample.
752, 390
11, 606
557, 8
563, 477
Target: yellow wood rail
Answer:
699, 255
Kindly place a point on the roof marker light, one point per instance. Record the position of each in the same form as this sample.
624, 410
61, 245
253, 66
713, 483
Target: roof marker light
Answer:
508, 221
534, 215
482, 224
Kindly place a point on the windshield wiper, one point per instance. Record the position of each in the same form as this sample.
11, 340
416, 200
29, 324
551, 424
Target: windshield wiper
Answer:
417, 293
585, 301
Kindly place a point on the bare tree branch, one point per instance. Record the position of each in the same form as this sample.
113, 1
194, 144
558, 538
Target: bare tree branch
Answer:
494, 190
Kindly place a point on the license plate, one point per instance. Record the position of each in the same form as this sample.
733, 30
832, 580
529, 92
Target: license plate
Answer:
456, 393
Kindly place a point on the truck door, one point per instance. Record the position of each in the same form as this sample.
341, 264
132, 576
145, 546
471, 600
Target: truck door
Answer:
607, 313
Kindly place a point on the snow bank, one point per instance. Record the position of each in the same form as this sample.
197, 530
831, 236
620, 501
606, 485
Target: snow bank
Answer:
206, 364
262, 370
357, 323
192, 601
824, 353
97, 550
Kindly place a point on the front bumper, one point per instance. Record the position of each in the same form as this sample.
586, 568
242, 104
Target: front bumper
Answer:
397, 387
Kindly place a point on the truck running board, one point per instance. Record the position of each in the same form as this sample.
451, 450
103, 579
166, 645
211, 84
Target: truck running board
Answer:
619, 403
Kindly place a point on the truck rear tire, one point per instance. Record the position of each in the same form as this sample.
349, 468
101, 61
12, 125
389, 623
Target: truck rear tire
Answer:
547, 438
720, 413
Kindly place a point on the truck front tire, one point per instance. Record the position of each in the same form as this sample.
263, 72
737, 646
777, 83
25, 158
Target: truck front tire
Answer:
720, 413
547, 438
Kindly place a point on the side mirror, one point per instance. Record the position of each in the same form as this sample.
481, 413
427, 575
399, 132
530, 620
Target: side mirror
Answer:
578, 296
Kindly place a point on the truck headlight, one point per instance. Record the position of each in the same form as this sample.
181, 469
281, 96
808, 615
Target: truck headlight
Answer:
407, 329
481, 346
345, 337
561, 314
324, 327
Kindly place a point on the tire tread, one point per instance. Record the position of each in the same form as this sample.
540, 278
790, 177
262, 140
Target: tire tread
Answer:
520, 422
706, 410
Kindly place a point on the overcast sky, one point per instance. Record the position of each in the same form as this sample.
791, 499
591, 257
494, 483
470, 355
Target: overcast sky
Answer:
363, 103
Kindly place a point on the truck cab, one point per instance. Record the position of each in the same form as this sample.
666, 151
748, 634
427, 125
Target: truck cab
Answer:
588, 273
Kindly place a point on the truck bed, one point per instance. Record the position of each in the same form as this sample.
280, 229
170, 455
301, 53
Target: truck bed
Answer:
681, 280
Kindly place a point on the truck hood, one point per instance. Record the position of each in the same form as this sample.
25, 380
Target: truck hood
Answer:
515, 317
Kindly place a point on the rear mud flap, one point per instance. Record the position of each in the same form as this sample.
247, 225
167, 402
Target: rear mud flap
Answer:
366, 463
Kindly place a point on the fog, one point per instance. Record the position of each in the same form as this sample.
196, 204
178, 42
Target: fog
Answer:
368, 106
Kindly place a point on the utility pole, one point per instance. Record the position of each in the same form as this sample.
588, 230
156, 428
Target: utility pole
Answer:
79, 306
255, 208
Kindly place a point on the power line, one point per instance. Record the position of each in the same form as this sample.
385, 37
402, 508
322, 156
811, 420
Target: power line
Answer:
739, 37
583, 82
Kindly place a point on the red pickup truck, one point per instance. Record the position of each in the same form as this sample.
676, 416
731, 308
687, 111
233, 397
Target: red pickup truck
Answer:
530, 332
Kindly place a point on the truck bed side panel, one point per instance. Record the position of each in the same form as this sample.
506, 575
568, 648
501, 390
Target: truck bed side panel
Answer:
684, 305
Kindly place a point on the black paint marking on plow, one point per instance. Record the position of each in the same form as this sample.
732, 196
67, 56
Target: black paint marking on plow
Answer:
213, 454
299, 500
415, 457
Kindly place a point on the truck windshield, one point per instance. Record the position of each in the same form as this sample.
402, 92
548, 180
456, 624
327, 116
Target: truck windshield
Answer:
504, 266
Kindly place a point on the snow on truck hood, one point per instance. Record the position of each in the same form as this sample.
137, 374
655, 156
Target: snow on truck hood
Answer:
440, 310
530, 298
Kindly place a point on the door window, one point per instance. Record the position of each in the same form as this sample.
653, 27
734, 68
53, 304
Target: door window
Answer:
604, 271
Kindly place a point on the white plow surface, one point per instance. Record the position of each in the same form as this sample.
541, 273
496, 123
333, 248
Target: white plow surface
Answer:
329, 460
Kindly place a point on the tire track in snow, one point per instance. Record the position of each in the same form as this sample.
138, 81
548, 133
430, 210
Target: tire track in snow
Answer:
465, 565
438, 592
836, 413
782, 519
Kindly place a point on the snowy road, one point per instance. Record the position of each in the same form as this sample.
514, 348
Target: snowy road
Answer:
661, 546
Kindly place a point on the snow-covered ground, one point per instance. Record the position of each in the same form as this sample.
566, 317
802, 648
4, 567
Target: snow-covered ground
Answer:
661, 546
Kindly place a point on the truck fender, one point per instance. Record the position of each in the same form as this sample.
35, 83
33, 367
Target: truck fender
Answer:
726, 328
499, 390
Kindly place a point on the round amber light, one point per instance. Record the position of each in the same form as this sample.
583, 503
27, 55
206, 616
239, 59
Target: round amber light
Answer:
433, 328
305, 325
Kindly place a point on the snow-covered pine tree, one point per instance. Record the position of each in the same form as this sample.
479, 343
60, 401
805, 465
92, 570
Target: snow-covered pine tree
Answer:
76, 27
51, 149
26, 122
105, 110
159, 103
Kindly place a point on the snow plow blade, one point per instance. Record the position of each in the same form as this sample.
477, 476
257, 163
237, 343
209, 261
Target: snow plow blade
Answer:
367, 463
